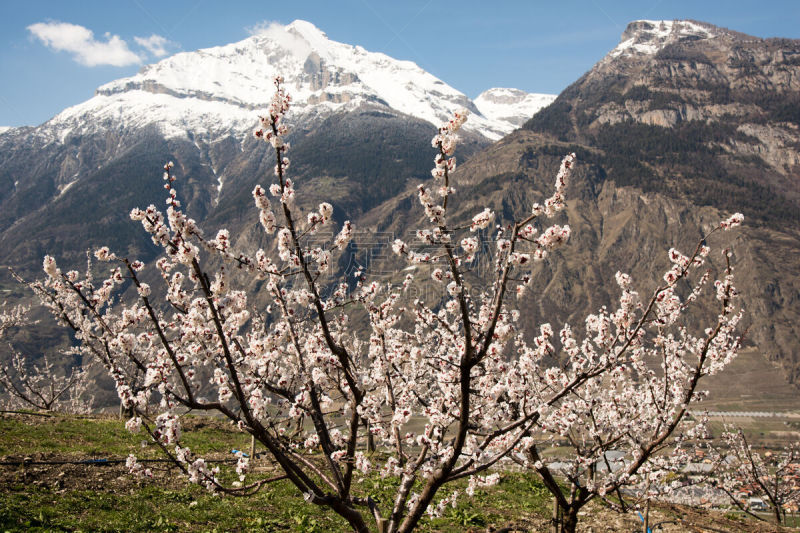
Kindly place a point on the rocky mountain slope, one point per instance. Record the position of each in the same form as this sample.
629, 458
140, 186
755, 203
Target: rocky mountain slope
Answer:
709, 117
695, 111
680, 125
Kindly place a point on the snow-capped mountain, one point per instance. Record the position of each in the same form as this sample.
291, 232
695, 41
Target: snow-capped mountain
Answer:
362, 124
361, 128
215, 91
647, 37
511, 106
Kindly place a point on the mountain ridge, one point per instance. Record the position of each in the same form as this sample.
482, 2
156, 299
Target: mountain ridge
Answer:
188, 105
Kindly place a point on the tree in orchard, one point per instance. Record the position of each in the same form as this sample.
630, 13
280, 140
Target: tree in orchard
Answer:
639, 367
37, 385
447, 387
741, 470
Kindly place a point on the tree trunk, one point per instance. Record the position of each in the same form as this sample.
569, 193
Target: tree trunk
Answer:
352, 516
569, 521
777, 510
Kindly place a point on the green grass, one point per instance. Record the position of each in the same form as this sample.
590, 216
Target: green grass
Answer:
152, 508
145, 507
65, 435
105, 498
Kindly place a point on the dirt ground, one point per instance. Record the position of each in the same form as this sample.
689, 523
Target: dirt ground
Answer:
663, 519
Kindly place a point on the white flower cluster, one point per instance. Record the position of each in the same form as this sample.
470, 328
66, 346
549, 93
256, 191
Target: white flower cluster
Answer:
266, 216
556, 202
734, 220
446, 141
482, 220
136, 468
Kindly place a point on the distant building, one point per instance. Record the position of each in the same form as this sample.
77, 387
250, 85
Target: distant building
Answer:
757, 504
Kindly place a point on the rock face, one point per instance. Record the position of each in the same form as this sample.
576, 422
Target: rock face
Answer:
689, 114
693, 100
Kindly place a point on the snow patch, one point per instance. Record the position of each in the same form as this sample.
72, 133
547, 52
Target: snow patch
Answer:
64, 188
647, 37
220, 181
511, 107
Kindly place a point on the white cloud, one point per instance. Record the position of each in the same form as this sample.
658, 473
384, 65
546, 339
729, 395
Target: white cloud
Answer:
85, 49
261, 28
276, 31
155, 44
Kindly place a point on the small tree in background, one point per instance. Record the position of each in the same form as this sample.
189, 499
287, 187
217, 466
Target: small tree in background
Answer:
38, 385
742, 472
446, 387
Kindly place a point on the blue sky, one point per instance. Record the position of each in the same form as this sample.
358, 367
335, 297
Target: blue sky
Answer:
54, 53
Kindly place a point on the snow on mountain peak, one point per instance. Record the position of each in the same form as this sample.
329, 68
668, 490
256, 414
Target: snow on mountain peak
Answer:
306, 28
215, 91
512, 106
316, 38
647, 37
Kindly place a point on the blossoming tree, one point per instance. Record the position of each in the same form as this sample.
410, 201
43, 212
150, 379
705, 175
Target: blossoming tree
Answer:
39, 385
640, 366
742, 472
447, 388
